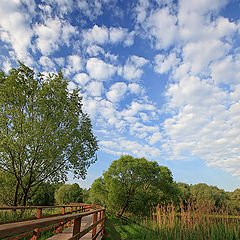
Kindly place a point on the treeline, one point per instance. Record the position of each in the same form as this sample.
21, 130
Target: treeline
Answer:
130, 186
136, 185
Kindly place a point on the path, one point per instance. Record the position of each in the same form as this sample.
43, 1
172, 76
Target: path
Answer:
67, 233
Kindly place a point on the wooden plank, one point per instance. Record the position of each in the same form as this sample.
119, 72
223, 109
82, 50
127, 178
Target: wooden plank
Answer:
14, 228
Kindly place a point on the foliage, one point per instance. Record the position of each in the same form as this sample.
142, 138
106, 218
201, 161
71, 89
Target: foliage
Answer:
69, 193
43, 132
44, 195
203, 192
132, 185
235, 198
198, 221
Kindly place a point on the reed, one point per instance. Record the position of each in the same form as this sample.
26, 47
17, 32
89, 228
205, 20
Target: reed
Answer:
194, 220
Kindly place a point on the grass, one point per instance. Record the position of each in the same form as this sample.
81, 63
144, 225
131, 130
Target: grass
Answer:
191, 221
121, 229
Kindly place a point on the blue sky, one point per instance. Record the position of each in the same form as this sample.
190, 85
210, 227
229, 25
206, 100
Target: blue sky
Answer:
159, 79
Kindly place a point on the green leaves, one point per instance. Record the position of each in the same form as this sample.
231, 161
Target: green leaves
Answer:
43, 131
132, 185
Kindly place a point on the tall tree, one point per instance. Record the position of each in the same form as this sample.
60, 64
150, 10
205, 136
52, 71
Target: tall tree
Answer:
43, 131
132, 185
69, 193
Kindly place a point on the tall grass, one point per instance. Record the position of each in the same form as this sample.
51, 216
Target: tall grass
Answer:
194, 220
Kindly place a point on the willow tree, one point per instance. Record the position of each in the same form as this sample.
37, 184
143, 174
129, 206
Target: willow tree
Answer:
132, 185
44, 133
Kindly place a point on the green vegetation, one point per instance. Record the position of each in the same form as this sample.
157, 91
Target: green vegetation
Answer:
43, 133
133, 185
68, 193
199, 220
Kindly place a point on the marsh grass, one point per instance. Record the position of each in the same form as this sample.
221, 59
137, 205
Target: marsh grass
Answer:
20, 214
195, 220
188, 221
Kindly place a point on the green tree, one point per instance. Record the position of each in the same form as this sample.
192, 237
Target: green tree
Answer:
131, 185
44, 195
69, 193
203, 192
43, 132
235, 198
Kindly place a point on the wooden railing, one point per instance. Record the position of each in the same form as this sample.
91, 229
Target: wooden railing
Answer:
18, 229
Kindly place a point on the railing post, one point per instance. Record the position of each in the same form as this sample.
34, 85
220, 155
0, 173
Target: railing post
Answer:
77, 226
95, 215
69, 222
36, 230
62, 223
102, 223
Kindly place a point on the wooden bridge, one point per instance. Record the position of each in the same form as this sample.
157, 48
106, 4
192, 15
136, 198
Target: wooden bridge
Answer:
81, 221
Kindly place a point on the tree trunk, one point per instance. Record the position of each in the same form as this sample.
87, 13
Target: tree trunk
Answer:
15, 203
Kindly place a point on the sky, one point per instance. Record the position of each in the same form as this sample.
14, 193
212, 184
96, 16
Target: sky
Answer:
159, 79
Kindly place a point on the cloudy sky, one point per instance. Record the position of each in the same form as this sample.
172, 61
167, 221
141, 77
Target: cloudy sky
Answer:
160, 79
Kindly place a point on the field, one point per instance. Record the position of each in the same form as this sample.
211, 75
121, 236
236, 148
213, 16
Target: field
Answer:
188, 221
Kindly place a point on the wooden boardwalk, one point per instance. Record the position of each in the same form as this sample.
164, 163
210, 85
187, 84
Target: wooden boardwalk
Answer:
68, 232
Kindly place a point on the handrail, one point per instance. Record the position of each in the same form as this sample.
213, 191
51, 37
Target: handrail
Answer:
39, 213
19, 228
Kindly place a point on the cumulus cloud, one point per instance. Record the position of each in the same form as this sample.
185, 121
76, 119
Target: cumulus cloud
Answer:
162, 26
96, 34
81, 78
47, 63
100, 70
164, 63
15, 28
132, 69
120, 146
103, 35
52, 34
95, 89
116, 92
94, 50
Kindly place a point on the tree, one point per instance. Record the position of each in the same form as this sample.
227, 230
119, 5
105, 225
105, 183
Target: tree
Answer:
203, 192
43, 131
44, 196
69, 193
235, 198
131, 185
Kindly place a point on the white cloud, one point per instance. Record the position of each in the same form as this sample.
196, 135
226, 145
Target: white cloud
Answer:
48, 36
226, 70
96, 34
120, 146
71, 86
132, 69
94, 50
47, 63
130, 72
15, 29
138, 61
198, 59
135, 108
100, 70
6, 65
116, 92
155, 137
52, 34
141, 10
74, 63
135, 88
81, 78
117, 34
91, 9
162, 26
95, 89
103, 35
164, 63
